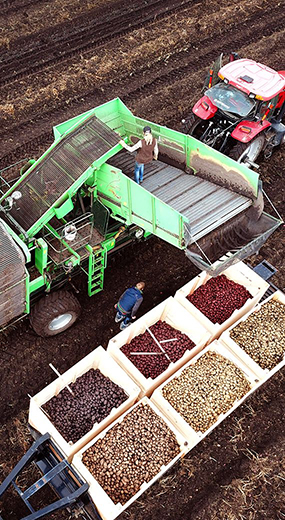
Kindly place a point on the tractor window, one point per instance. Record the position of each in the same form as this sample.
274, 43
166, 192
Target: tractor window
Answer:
230, 99
262, 108
265, 105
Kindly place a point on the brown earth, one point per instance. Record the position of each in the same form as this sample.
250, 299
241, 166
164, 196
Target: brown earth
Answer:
60, 59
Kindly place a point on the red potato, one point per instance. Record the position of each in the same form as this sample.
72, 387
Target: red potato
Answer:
153, 365
219, 297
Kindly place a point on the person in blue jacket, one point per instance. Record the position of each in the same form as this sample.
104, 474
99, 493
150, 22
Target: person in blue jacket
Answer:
128, 305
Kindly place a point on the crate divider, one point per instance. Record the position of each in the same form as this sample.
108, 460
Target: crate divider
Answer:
173, 314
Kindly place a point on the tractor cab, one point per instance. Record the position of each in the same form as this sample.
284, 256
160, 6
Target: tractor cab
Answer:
262, 85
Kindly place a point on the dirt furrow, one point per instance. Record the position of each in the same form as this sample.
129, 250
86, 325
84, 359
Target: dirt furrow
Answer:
256, 25
24, 62
7, 7
149, 79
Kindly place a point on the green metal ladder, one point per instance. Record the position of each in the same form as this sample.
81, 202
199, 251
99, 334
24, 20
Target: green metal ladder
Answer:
96, 266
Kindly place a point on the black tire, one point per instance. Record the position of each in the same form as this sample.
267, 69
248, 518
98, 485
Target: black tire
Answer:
243, 151
54, 313
187, 123
195, 126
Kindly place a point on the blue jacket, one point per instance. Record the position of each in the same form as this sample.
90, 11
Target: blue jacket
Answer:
130, 301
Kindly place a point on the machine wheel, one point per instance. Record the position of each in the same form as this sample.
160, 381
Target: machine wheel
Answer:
247, 153
195, 126
54, 313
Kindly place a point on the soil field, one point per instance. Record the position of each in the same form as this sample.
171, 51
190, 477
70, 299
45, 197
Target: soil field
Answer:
59, 59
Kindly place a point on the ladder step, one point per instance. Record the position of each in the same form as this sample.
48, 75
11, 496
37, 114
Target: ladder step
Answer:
95, 286
99, 268
91, 293
95, 276
96, 272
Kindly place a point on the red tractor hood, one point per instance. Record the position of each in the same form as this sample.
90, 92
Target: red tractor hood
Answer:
252, 77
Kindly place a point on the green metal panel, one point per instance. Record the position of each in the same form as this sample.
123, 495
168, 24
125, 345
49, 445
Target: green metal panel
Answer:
37, 283
41, 255
131, 201
62, 128
65, 208
28, 304
109, 112
218, 167
109, 243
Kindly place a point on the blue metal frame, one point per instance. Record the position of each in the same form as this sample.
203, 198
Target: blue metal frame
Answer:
58, 473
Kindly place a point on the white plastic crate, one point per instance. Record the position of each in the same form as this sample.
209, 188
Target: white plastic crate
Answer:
239, 273
176, 419
105, 505
240, 352
171, 312
97, 359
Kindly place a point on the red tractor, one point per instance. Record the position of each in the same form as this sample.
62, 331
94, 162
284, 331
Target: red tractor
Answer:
241, 111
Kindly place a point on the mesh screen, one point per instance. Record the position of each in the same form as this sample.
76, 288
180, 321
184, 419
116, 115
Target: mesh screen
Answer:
12, 276
12, 265
60, 169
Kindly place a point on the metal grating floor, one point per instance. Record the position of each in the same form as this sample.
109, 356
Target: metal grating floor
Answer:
13, 278
59, 253
61, 167
12, 265
205, 204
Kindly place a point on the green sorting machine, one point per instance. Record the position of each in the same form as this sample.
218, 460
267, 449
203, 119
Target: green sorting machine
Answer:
78, 202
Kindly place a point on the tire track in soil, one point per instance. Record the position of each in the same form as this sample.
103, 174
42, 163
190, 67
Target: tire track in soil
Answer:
244, 38
72, 46
86, 39
157, 81
184, 55
7, 7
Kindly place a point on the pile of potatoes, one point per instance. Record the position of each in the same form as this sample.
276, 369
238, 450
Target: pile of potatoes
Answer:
131, 453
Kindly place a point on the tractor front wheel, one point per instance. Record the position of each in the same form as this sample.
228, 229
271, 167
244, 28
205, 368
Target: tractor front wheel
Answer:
195, 126
247, 153
54, 313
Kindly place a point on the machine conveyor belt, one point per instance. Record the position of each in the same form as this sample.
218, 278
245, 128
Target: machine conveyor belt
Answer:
204, 203
59, 169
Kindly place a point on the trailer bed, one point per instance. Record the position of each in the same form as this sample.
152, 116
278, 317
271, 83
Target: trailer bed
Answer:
204, 203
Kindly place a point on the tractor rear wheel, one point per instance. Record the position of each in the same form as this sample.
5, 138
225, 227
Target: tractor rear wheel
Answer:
54, 313
247, 153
